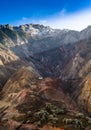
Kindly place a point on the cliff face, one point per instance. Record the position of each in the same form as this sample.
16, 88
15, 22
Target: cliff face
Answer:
80, 64
85, 95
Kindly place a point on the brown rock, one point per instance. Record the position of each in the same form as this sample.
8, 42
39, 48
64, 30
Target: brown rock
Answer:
12, 125
28, 127
85, 96
49, 127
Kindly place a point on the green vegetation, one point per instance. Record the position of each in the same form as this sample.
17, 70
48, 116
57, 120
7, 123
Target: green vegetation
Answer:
56, 116
76, 123
48, 113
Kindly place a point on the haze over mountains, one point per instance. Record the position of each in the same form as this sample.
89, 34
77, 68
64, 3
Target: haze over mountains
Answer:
42, 68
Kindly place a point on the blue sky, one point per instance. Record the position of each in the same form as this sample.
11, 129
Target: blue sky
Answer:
71, 14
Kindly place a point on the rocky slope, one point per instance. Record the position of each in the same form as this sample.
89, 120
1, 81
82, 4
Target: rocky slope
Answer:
29, 101
85, 95
80, 62
27, 95
9, 63
55, 82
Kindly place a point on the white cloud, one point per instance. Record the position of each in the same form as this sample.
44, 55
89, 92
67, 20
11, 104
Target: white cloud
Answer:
61, 20
75, 21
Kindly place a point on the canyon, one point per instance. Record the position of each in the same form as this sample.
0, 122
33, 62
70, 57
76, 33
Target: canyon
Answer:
45, 78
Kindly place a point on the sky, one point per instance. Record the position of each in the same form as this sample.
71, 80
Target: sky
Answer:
60, 14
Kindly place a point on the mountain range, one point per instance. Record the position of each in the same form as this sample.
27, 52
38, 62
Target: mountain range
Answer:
45, 78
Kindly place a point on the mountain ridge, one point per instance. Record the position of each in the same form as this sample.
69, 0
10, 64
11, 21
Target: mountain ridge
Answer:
47, 66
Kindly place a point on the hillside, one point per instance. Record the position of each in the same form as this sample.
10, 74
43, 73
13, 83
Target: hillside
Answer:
9, 63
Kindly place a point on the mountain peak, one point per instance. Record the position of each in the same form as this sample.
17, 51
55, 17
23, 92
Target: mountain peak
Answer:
8, 26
